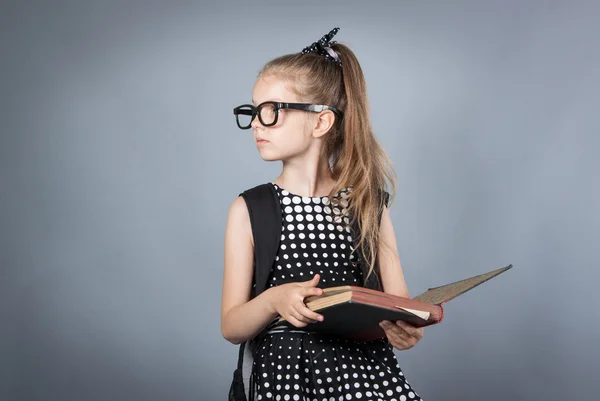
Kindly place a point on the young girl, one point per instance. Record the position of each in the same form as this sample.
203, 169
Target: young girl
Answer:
309, 110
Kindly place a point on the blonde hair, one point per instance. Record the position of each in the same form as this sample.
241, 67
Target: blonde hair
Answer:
356, 159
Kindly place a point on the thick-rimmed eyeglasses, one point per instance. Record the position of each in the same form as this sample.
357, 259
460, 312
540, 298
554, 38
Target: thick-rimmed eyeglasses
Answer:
268, 112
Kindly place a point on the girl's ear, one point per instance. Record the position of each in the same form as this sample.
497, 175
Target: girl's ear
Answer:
323, 123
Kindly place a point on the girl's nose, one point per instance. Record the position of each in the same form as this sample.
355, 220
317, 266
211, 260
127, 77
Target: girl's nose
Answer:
256, 123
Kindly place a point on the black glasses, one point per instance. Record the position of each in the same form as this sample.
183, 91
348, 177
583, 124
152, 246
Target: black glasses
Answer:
268, 112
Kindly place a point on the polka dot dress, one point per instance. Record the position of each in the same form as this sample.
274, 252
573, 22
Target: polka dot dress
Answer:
296, 365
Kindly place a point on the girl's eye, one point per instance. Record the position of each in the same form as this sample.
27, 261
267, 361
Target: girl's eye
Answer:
267, 113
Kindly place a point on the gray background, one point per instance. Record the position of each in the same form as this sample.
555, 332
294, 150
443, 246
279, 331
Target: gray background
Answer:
119, 158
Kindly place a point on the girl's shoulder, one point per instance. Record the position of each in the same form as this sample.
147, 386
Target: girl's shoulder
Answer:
249, 197
259, 201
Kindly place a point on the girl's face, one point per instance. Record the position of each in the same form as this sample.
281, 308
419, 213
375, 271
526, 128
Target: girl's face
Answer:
292, 135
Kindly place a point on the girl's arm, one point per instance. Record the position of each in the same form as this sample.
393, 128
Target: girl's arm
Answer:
400, 334
241, 319
390, 270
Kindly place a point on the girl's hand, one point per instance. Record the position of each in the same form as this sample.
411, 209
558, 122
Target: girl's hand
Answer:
288, 301
401, 334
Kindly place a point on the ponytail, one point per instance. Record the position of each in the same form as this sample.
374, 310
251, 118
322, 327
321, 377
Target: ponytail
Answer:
361, 162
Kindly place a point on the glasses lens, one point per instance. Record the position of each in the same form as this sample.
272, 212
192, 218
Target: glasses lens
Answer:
267, 113
244, 116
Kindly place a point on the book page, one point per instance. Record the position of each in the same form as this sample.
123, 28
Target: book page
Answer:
447, 292
327, 292
423, 315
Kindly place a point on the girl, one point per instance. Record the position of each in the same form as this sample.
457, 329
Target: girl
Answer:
309, 110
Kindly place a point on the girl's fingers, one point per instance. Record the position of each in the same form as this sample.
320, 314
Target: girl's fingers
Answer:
399, 343
399, 338
394, 329
310, 283
309, 314
410, 330
395, 334
298, 316
310, 291
299, 310
295, 322
389, 327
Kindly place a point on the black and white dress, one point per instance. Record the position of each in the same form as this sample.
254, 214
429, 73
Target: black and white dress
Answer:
295, 365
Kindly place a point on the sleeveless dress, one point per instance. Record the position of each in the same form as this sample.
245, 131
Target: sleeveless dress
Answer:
293, 364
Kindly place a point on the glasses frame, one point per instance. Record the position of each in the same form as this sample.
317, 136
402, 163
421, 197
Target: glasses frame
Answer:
255, 111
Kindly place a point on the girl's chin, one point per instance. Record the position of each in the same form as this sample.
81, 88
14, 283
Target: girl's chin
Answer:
268, 156
270, 159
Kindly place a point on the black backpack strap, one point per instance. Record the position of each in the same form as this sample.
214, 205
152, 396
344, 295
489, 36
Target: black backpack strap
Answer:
265, 218
237, 389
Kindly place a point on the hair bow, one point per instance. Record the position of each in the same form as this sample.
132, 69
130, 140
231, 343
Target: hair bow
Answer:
323, 48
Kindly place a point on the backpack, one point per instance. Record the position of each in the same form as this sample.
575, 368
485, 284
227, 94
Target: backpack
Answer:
264, 210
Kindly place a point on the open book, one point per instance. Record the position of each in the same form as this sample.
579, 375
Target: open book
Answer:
355, 312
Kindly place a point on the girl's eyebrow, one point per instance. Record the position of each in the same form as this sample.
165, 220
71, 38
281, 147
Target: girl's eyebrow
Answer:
271, 100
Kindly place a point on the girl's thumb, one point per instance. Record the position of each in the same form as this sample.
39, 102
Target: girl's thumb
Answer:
312, 282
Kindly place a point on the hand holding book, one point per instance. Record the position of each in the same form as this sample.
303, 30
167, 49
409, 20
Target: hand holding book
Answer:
287, 300
401, 334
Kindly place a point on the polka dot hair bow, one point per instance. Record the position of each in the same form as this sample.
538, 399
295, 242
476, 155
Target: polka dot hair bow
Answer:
322, 47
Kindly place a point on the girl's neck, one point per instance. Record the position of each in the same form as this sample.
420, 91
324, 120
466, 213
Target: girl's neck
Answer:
303, 181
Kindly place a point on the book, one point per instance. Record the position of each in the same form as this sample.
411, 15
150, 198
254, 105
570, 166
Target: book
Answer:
354, 312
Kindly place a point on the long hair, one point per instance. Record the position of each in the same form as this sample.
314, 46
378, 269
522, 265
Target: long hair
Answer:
356, 159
